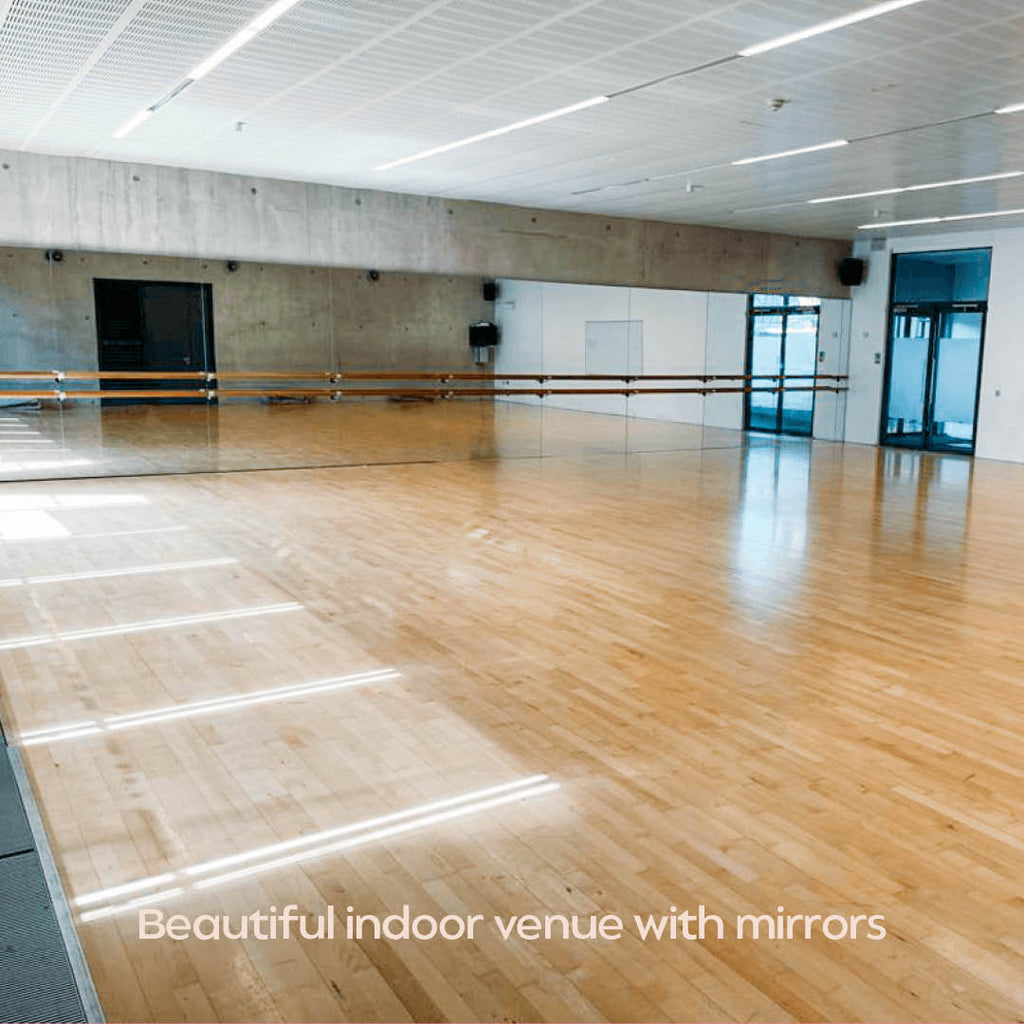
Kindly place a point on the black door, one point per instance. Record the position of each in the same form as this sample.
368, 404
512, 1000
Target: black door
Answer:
158, 326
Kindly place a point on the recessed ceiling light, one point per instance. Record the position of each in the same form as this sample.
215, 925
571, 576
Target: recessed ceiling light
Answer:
899, 223
1013, 108
828, 26
204, 67
132, 123
942, 220
916, 188
983, 216
240, 38
791, 152
504, 130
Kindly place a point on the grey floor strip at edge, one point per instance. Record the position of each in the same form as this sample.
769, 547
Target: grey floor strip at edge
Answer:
61, 907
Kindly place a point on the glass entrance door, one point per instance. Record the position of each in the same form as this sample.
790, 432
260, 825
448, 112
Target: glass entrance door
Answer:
909, 356
956, 375
782, 342
934, 373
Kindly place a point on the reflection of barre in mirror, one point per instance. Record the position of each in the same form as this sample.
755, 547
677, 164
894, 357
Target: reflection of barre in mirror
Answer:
144, 892
336, 385
192, 709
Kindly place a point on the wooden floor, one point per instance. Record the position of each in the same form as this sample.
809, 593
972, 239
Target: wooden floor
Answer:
84, 440
781, 674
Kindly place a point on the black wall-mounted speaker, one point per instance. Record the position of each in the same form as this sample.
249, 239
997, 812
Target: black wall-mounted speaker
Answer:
483, 333
490, 291
851, 271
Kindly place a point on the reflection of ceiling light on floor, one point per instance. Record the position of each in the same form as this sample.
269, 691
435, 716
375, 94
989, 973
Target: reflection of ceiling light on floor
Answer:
149, 625
66, 502
303, 848
118, 723
99, 574
20, 466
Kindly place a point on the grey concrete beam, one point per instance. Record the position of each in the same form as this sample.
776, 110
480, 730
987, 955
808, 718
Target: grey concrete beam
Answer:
73, 202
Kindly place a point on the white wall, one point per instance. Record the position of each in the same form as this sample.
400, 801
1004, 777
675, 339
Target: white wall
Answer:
543, 329
1001, 404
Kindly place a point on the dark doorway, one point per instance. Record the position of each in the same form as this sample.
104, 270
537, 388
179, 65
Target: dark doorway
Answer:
159, 326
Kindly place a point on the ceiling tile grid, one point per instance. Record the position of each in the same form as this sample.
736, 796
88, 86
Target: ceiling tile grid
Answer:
337, 87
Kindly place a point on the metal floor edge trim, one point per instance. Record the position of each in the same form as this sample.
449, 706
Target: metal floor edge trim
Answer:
61, 906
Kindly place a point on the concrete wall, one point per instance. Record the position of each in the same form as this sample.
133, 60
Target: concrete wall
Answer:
266, 316
544, 328
1001, 404
118, 207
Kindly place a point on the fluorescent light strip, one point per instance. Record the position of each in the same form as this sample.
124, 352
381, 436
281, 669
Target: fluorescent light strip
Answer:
369, 830
149, 625
244, 35
118, 723
864, 14
132, 123
835, 144
917, 188
494, 132
138, 570
941, 220
1013, 108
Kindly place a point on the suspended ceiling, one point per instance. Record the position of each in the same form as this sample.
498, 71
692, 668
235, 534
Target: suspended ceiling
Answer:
335, 88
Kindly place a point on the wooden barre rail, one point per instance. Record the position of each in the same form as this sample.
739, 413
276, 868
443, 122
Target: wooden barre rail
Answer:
339, 376
212, 394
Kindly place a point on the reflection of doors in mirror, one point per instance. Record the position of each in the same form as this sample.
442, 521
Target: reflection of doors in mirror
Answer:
782, 341
937, 329
160, 326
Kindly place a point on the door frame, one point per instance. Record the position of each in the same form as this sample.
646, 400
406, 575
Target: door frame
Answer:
934, 310
209, 348
783, 311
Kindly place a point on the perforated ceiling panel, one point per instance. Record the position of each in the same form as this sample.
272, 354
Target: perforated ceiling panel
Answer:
337, 87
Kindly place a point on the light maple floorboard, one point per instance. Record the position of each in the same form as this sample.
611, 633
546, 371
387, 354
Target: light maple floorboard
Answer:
761, 674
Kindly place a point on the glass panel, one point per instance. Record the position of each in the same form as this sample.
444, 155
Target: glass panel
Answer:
956, 276
803, 300
958, 352
801, 358
765, 358
769, 301
907, 377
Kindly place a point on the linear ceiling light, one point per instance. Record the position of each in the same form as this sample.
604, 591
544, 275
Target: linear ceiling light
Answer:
864, 14
791, 152
916, 188
204, 67
133, 122
494, 132
772, 44
941, 220
1013, 108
